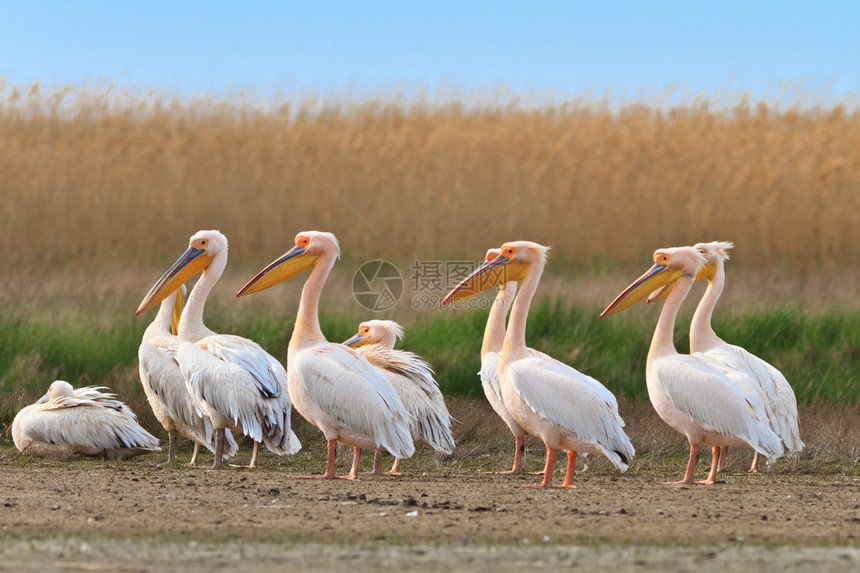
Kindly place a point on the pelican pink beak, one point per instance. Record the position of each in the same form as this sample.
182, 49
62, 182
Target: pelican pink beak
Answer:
293, 262
191, 262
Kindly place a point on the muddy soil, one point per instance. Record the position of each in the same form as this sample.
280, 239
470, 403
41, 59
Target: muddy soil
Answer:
132, 515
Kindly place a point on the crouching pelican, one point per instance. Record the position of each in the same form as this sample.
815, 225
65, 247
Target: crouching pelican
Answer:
85, 421
233, 380
412, 379
694, 396
334, 387
164, 385
550, 400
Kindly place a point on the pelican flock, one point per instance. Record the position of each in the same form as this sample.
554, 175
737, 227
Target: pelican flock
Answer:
412, 379
365, 393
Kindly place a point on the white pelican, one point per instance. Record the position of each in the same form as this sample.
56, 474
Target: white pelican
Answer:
704, 343
690, 394
412, 379
164, 386
235, 382
334, 387
550, 400
491, 348
85, 421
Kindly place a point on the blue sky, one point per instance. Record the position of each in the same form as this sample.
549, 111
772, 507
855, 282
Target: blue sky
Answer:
631, 50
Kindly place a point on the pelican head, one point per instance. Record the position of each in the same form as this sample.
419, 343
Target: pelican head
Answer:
715, 253
384, 332
310, 248
203, 247
669, 265
57, 389
511, 262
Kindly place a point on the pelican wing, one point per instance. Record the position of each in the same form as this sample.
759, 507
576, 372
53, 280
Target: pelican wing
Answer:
82, 423
412, 380
567, 398
776, 390
406, 364
492, 390
562, 369
431, 422
707, 395
235, 393
159, 370
269, 376
345, 386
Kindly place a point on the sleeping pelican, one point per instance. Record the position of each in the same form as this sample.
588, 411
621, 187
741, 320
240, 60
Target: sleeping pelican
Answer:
234, 381
165, 387
563, 407
690, 394
334, 387
704, 343
85, 421
412, 379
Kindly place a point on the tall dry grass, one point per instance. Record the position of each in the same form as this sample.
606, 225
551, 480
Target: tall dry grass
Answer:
97, 173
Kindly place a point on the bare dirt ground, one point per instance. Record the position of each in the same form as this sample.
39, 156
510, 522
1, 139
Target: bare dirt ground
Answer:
131, 515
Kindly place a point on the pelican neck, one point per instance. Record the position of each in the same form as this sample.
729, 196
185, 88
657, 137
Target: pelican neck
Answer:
514, 346
494, 333
307, 329
702, 335
191, 327
663, 344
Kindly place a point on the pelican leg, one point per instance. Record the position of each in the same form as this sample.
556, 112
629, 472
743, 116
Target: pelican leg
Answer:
723, 452
518, 458
171, 448
377, 462
395, 468
715, 464
219, 449
331, 447
356, 458
571, 467
754, 467
551, 453
193, 461
691, 468
253, 462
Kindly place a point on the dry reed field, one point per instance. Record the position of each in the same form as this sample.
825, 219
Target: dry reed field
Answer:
99, 173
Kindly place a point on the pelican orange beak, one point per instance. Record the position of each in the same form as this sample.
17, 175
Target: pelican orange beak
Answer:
186, 266
489, 274
293, 262
656, 277
357, 340
706, 272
